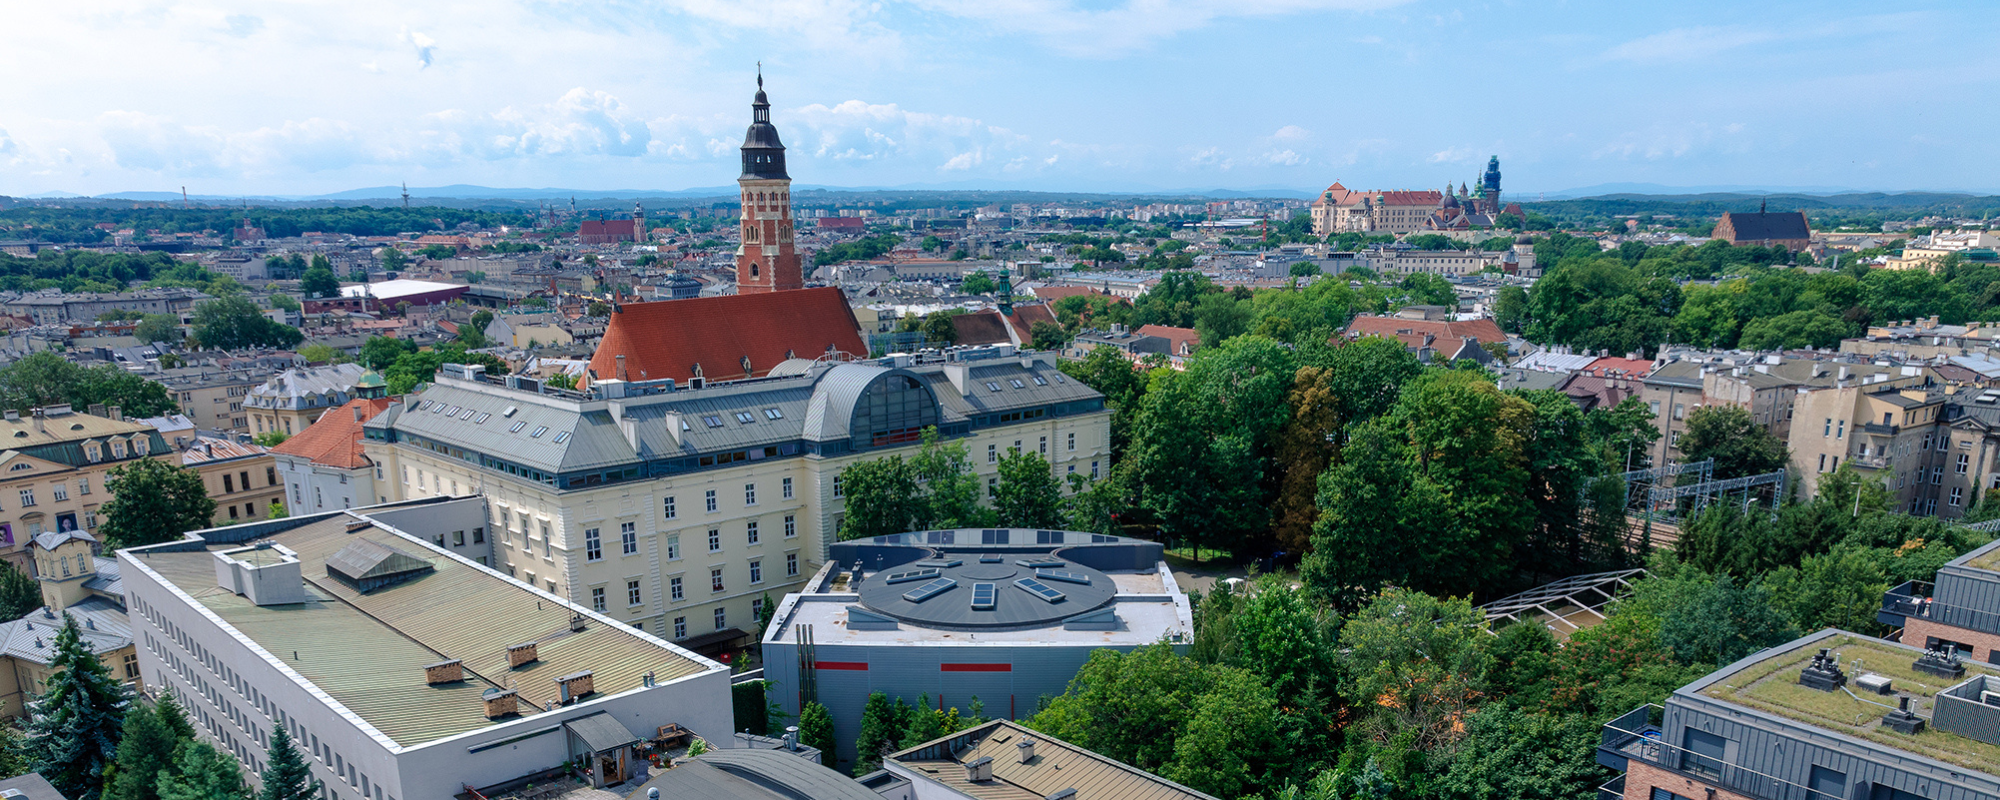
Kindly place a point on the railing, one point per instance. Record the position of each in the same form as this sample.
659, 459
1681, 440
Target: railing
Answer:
1913, 599
1880, 429
1613, 789
1634, 735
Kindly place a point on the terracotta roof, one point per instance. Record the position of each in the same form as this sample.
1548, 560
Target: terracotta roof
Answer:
1448, 337
981, 327
1612, 366
1184, 340
1024, 318
335, 438
666, 339
1342, 196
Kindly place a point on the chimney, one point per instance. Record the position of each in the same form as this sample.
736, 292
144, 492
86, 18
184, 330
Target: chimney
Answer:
38, 420
13, 416
451, 671
576, 686
1902, 720
97, 409
792, 738
502, 703
621, 367
118, 413
520, 655
1025, 749
979, 769
357, 412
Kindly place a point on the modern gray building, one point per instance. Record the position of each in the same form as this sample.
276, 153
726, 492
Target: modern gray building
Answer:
1961, 610
404, 669
1004, 615
1832, 716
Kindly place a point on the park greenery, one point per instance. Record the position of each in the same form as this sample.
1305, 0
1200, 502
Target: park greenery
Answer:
858, 250
47, 379
79, 224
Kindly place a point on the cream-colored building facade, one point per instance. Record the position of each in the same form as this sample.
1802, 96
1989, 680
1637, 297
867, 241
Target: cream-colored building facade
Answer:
681, 512
54, 468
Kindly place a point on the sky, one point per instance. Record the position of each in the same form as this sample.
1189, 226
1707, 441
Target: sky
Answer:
285, 97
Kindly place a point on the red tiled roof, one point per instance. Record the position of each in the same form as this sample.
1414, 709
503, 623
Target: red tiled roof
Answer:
666, 339
1449, 336
1183, 340
1612, 366
335, 438
1342, 196
981, 328
1024, 318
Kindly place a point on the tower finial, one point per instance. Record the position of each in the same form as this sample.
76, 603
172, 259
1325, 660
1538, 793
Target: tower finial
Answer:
760, 74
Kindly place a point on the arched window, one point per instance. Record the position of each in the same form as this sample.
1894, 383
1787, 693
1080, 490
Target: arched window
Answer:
753, 269
895, 409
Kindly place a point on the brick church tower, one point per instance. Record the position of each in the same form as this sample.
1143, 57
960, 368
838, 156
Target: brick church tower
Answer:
767, 260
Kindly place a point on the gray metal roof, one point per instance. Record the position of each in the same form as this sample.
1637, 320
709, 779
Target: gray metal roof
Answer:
745, 774
601, 732
366, 558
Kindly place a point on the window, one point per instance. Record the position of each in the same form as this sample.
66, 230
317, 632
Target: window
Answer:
674, 589
1822, 462
1072, 442
751, 531
1826, 782
83, 483
597, 599
786, 485
757, 608
516, 427
749, 494
715, 579
1927, 442
1937, 475
1016, 383
628, 538
714, 540
538, 431
791, 565
562, 437
548, 542
458, 538
631, 593
991, 386
673, 547
791, 526
92, 453
667, 508
1662, 794
1678, 409
228, 484
1043, 447
721, 619
711, 501
712, 421
1041, 381
680, 627
756, 572
1964, 461
1840, 429
837, 493
1704, 753
993, 454
27, 497
992, 488
1957, 495
61, 491
593, 546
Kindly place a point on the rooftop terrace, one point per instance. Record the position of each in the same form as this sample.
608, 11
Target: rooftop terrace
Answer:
367, 651
1770, 684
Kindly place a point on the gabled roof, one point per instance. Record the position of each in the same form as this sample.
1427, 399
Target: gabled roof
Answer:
1182, 340
335, 439
981, 328
666, 339
1760, 226
1024, 318
1444, 337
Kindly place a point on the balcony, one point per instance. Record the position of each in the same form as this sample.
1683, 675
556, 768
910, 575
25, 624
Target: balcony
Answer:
1636, 735
1910, 599
1613, 789
1880, 429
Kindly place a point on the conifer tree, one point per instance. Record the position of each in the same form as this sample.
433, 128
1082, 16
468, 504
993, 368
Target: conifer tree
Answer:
203, 773
145, 750
286, 776
924, 724
174, 718
74, 732
816, 729
880, 725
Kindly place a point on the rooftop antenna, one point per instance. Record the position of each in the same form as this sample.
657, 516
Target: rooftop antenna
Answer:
406, 194
184, 197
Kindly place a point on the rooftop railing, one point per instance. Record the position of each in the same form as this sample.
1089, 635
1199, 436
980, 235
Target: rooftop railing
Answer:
1636, 735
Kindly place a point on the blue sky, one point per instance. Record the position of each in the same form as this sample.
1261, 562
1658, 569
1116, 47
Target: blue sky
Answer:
264, 97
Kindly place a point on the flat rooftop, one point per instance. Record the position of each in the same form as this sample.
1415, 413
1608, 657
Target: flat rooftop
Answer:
368, 651
1986, 558
1770, 684
1056, 765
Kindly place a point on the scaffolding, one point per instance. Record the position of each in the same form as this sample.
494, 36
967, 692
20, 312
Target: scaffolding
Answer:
1565, 606
1689, 500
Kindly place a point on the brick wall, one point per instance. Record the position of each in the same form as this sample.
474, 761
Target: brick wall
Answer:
1642, 778
1916, 631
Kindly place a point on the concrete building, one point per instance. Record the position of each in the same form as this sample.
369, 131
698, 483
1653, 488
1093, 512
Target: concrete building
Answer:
522, 330
1343, 210
683, 507
293, 400
213, 397
390, 295
53, 473
1001, 759
1002, 615
1832, 716
241, 477
325, 467
406, 671
52, 307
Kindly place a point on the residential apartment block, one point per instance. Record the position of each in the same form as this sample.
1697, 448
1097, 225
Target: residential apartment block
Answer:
1832, 716
213, 398
54, 469
679, 510
295, 398
74, 581
1960, 609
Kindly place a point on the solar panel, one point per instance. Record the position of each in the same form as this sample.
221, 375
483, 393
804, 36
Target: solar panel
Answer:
1039, 589
982, 597
929, 590
1066, 577
1041, 563
911, 575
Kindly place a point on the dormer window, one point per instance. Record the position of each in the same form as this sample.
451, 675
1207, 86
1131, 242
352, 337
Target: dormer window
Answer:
142, 445
91, 452
117, 448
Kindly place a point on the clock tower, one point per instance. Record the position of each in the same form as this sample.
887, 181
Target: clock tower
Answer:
767, 260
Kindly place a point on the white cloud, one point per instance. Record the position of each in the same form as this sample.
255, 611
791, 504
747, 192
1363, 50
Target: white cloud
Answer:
1454, 155
241, 25
1285, 158
1291, 133
1687, 44
425, 46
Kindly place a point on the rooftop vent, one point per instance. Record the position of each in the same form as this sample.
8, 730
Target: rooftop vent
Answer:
368, 565
1942, 663
1873, 683
1970, 709
1901, 720
1066, 794
520, 655
501, 703
979, 769
1025, 749
1823, 673
451, 671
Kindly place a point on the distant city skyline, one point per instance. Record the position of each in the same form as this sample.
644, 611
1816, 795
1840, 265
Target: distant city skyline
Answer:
241, 98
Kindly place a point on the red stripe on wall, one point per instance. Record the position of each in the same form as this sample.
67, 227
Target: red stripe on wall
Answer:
976, 667
858, 666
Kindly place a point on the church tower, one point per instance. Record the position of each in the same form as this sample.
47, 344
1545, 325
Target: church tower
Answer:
1490, 184
767, 260
638, 223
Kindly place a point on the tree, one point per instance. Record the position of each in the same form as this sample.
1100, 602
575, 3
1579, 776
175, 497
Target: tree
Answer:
45, 379
381, 352
1841, 589
19, 594
881, 498
317, 353
1123, 387
73, 735
1711, 620
1029, 495
1739, 445
976, 282
1417, 663
158, 328
925, 724
879, 729
153, 501
319, 280
816, 729
1510, 754
232, 323
939, 329
1305, 269
145, 750
947, 490
285, 302
598, 308
271, 438
562, 380
1047, 336
203, 773
286, 774
393, 260
1510, 309
173, 717
277, 511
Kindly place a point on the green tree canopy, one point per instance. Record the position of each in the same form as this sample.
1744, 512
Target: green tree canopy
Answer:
145, 751
73, 736
1029, 495
319, 282
203, 773
286, 774
153, 501
233, 323
1739, 445
46, 379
